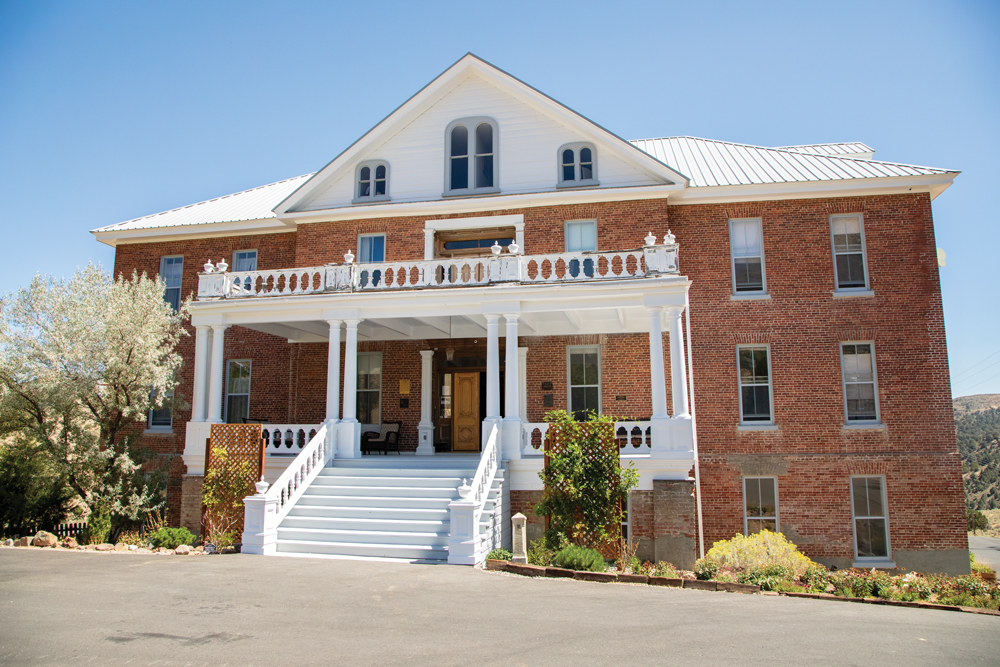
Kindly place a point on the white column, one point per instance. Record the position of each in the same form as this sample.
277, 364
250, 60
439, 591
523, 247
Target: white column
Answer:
215, 384
348, 430
519, 235
678, 377
201, 361
492, 367
512, 400
425, 429
428, 244
657, 377
333, 373
522, 374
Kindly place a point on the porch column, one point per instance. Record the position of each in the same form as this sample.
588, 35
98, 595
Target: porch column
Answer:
201, 362
428, 244
492, 367
425, 429
333, 373
349, 431
657, 377
512, 399
215, 384
678, 377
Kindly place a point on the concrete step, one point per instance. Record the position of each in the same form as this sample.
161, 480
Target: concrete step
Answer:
323, 488
393, 525
364, 550
389, 513
387, 480
355, 500
458, 473
363, 536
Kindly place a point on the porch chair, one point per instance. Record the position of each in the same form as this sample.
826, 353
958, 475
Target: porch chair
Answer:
386, 438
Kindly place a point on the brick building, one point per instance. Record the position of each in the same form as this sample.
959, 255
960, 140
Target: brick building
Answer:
766, 323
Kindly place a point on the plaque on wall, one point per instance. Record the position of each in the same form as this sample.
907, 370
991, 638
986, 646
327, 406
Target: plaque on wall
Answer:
546, 386
547, 400
404, 386
619, 397
404, 402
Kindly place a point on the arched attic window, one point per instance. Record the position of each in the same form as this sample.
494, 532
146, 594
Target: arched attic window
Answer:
371, 182
577, 165
472, 162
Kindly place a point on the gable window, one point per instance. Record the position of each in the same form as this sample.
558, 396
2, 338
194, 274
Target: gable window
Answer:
372, 182
472, 156
581, 236
755, 384
369, 387
849, 261
577, 165
171, 270
371, 250
746, 248
237, 391
857, 363
871, 527
760, 504
584, 380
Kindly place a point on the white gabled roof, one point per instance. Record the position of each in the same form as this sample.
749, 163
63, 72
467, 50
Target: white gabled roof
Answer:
719, 163
254, 204
854, 149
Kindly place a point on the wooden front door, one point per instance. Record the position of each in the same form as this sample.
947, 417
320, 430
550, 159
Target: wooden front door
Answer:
466, 421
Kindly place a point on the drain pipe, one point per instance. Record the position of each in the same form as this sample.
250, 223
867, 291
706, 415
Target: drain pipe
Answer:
694, 425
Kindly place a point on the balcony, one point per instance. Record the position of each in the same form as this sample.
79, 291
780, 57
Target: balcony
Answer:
651, 260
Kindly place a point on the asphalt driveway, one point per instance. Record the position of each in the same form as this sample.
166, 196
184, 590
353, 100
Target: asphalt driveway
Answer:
73, 608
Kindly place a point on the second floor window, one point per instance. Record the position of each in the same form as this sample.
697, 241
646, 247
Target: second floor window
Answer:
472, 156
171, 270
858, 368
581, 236
371, 250
747, 250
584, 381
755, 384
849, 262
372, 182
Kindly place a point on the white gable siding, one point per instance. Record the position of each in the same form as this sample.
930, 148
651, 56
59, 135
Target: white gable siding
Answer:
528, 143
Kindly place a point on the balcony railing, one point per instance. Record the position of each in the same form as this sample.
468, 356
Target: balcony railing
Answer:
568, 267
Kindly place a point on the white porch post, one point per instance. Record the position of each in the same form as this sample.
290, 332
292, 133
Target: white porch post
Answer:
428, 244
492, 367
678, 377
349, 430
333, 373
522, 374
512, 401
201, 361
215, 384
425, 430
660, 422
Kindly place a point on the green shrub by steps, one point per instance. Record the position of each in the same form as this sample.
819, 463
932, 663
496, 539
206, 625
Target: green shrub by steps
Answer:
171, 538
499, 554
574, 557
539, 554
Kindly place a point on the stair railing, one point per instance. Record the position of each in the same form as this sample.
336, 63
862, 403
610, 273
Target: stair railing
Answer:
463, 545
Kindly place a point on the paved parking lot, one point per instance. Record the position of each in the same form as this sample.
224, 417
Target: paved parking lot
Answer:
73, 608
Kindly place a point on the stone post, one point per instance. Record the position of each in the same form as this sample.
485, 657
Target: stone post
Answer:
518, 523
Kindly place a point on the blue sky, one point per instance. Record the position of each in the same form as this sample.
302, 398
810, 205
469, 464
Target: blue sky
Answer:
110, 111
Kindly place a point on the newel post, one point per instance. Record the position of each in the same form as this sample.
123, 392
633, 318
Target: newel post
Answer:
463, 541
260, 522
518, 522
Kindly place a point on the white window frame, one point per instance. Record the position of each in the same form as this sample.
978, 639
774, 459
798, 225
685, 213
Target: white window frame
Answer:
371, 198
843, 384
225, 416
566, 226
161, 428
770, 385
256, 259
733, 257
871, 560
179, 288
864, 255
380, 385
777, 511
361, 260
577, 182
471, 123
570, 349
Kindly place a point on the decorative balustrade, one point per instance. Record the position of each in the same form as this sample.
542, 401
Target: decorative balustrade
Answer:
287, 439
567, 267
292, 483
634, 437
465, 543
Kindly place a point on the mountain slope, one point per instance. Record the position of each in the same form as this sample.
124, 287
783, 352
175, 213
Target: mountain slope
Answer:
977, 428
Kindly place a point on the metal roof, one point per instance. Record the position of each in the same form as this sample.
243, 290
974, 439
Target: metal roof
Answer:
717, 163
844, 149
254, 204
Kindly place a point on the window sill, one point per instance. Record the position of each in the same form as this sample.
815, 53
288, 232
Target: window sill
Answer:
862, 426
881, 564
751, 296
471, 193
757, 427
159, 430
577, 184
844, 294
371, 200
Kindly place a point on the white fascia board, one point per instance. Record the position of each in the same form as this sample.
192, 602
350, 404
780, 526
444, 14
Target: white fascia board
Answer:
116, 237
485, 203
934, 184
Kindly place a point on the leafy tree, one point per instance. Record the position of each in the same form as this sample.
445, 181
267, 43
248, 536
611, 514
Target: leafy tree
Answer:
977, 520
81, 360
31, 493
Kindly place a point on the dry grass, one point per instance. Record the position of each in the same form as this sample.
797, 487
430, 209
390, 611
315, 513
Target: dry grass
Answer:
994, 519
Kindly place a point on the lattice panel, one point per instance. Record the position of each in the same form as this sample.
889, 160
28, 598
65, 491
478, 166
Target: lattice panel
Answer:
606, 445
244, 447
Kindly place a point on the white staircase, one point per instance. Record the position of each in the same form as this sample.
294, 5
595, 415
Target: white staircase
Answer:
381, 507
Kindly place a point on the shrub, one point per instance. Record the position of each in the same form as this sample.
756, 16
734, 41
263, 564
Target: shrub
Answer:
133, 537
171, 538
769, 577
499, 554
705, 569
31, 494
753, 552
665, 569
816, 577
539, 554
574, 557
98, 527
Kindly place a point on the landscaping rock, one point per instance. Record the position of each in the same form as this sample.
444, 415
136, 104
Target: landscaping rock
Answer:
69, 543
604, 577
121, 546
200, 549
674, 582
105, 547
526, 570
133, 547
495, 564
731, 587
701, 585
91, 547
182, 550
559, 572
23, 542
44, 538
143, 550
8, 542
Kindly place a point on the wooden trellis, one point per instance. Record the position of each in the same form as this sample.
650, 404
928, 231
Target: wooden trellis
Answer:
244, 448
607, 445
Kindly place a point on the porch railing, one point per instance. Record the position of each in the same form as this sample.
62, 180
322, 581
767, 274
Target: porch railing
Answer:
634, 437
292, 483
287, 439
566, 267
465, 544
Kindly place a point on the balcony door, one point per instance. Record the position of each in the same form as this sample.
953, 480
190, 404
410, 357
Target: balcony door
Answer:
466, 414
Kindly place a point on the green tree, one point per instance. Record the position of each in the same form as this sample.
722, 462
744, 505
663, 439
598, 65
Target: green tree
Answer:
976, 520
31, 493
81, 360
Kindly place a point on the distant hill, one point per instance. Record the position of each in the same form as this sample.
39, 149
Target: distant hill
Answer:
977, 427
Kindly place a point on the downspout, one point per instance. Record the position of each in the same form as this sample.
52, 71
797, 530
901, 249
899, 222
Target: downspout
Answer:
694, 425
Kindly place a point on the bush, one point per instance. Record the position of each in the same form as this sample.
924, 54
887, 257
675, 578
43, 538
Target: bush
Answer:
664, 569
705, 569
976, 521
574, 557
31, 494
539, 554
754, 552
171, 538
98, 528
816, 578
499, 554
769, 577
